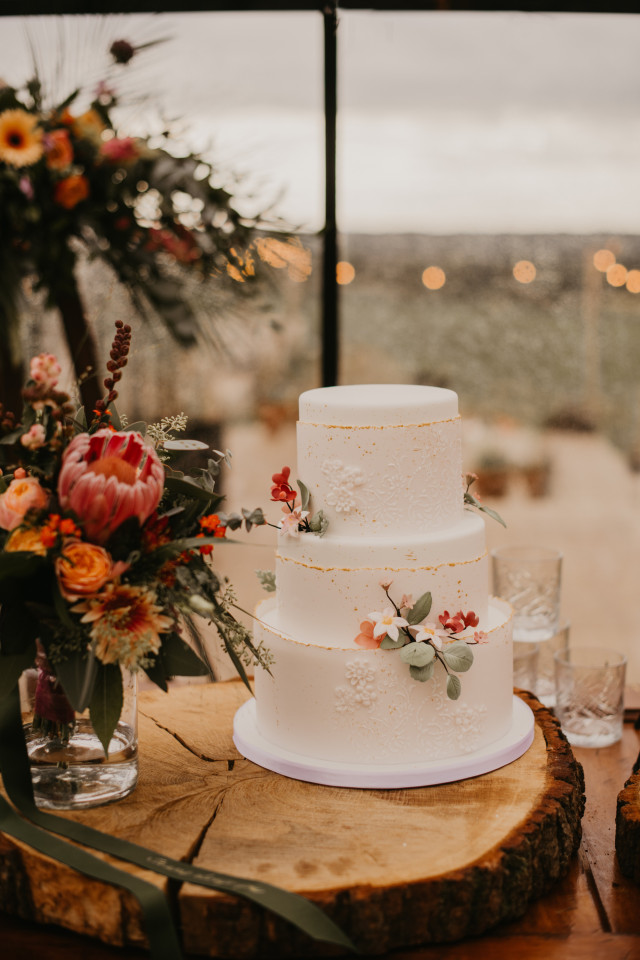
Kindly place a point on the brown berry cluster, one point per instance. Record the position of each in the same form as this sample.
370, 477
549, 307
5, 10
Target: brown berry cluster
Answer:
117, 360
8, 421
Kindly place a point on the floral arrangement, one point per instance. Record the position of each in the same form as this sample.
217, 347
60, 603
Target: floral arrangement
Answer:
422, 642
105, 552
70, 181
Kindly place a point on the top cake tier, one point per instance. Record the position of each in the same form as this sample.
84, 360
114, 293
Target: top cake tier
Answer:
384, 459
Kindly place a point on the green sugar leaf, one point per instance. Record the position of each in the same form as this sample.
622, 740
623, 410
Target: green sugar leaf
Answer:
454, 687
458, 656
389, 644
417, 654
420, 609
304, 495
422, 673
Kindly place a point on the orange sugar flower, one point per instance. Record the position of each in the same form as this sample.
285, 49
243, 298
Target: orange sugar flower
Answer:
71, 191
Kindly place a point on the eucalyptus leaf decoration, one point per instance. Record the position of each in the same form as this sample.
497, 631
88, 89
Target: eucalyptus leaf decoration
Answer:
424, 644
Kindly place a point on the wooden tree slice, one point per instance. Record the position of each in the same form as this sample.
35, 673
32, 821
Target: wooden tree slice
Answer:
394, 868
628, 829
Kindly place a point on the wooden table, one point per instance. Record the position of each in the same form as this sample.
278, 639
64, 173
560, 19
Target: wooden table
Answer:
591, 912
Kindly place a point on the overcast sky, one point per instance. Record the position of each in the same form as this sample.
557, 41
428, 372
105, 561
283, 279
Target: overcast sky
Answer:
448, 122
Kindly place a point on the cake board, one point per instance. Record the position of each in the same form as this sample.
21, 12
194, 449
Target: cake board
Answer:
394, 868
393, 776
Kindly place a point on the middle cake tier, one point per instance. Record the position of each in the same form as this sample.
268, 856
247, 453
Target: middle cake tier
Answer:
328, 585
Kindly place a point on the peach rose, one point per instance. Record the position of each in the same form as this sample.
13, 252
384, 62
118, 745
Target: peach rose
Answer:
82, 569
27, 540
22, 494
68, 193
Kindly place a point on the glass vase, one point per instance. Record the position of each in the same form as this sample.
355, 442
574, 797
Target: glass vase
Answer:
69, 769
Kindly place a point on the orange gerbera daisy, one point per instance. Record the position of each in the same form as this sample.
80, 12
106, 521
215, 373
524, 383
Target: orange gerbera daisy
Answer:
125, 624
20, 138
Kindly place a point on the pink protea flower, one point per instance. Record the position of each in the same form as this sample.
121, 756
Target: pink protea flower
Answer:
107, 477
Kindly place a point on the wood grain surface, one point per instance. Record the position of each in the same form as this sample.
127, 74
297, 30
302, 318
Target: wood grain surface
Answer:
395, 869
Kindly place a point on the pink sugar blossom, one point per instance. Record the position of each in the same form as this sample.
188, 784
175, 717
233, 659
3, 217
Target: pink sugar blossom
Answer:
289, 525
385, 584
108, 477
480, 636
406, 601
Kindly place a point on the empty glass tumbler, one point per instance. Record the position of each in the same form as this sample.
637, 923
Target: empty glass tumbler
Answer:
590, 695
528, 577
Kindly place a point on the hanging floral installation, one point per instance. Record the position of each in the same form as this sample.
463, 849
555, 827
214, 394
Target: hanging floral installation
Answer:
71, 184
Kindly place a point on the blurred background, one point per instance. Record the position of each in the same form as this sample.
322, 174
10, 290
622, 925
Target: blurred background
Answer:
488, 209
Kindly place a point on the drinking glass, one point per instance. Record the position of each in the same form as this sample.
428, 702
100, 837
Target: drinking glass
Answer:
525, 665
590, 695
528, 577
545, 685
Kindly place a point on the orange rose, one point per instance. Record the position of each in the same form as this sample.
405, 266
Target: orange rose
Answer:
58, 150
21, 495
70, 191
27, 540
82, 569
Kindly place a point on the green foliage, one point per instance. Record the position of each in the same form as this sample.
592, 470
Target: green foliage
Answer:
304, 495
78, 674
267, 579
458, 656
421, 674
417, 654
389, 644
106, 702
420, 610
454, 687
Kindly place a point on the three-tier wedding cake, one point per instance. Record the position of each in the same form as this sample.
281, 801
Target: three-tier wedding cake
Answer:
392, 666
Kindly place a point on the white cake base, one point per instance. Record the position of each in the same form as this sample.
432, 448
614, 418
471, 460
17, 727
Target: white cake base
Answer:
253, 746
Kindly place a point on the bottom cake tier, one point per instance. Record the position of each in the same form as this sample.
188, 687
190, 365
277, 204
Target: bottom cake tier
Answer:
362, 706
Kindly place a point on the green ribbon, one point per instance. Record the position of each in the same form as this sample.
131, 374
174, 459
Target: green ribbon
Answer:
163, 941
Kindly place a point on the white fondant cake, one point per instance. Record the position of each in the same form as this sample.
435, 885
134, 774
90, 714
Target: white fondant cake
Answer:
384, 464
